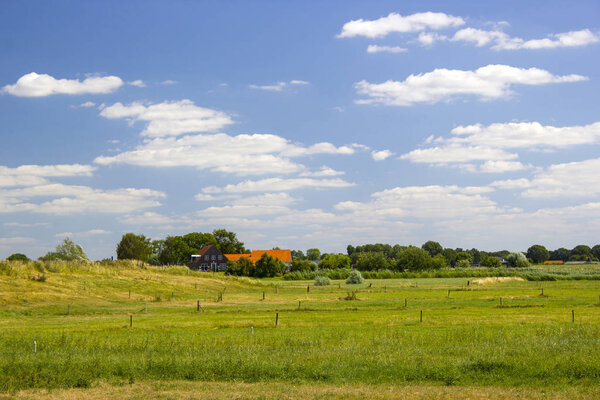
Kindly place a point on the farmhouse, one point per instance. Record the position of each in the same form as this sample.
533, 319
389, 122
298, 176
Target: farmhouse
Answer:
283, 255
209, 258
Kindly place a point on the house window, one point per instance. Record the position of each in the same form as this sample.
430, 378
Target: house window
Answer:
214, 257
220, 257
206, 257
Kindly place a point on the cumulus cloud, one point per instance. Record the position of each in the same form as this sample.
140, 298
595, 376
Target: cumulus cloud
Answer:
242, 154
395, 22
429, 38
322, 172
509, 184
373, 48
494, 144
574, 179
381, 155
41, 85
486, 83
169, 118
137, 83
28, 175
501, 41
278, 185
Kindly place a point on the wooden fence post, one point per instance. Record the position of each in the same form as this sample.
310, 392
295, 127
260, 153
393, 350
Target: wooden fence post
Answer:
421, 318
263, 295
131, 320
573, 316
307, 288
145, 306
405, 302
299, 304
129, 293
198, 306
276, 319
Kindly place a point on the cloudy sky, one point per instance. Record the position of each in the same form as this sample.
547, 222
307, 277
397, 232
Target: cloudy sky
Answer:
300, 124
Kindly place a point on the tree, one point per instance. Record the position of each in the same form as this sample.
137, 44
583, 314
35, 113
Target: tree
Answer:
134, 247
298, 254
67, 250
581, 253
241, 267
450, 256
350, 249
596, 251
313, 254
414, 259
538, 253
18, 257
302, 265
371, 261
561, 254
228, 243
463, 255
175, 250
433, 248
197, 240
464, 263
267, 267
335, 261
491, 262
438, 262
517, 260
355, 278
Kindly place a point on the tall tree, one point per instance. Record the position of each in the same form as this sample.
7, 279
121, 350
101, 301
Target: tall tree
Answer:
134, 247
313, 254
433, 248
561, 254
538, 253
228, 243
414, 259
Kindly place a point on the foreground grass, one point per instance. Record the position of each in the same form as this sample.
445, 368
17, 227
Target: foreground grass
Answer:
79, 319
285, 390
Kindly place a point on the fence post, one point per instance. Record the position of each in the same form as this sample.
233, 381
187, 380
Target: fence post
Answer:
421, 318
172, 295
307, 288
405, 302
198, 306
299, 304
276, 286
263, 295
448, 292
276, 319
145, 306
131, 320
573, 316
129, 293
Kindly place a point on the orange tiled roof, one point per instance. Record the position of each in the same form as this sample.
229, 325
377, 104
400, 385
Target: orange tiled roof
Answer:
283, 255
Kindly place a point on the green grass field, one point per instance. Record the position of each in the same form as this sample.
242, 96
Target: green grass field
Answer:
484, 339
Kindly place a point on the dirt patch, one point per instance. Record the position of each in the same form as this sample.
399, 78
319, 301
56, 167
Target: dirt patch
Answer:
496, 279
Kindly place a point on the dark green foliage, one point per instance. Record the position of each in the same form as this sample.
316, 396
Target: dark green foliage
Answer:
134, 247
227, 242
438, 262
298, 254
413, 259
372, 261
433, 248
268, 267
240, 267
18, 257
561, 254
335, 261
313, 254
491, 262
463, 255
538, 253
302, 265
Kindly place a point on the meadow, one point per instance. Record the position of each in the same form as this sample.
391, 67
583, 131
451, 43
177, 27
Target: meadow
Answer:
69, 330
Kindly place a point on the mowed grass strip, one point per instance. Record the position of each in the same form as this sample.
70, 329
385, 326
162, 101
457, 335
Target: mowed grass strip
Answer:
82, 336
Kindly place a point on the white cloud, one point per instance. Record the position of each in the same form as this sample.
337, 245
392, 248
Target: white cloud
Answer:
490, 144
509, 184
169, 82
486, 83
373, 48
574, 179
397, 23
242, 154
278, 185
429, 38
138, 83
87, 104
279, 86
40, 85
28, 175
324, 171
6, 241
502, 41
381, 155
169, 118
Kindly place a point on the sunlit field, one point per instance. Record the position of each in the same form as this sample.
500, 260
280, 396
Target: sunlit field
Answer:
122, 330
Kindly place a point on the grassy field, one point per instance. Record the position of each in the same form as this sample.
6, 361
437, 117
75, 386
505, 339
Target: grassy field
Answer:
478, 338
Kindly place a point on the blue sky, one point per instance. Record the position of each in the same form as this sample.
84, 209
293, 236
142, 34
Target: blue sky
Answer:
300, 124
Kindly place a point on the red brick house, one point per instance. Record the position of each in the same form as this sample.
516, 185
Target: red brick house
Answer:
209, 258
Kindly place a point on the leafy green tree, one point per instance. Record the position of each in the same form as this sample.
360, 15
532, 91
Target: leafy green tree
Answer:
175, 251
596, 251
335, 261
134, 247
313, 254
464, 255
561, 254
517, 260
538, 253
240, 267
267, 267
491, 262
18, 257
228, 243
302, 265
438, 262
413, 259
372, 261
433, 248
298, 254
350, 249
581, 253
464, 263
197, 240
67, 250
450, 256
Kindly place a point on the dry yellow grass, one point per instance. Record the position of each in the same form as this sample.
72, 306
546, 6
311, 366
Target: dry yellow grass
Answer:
491, 280
278, 390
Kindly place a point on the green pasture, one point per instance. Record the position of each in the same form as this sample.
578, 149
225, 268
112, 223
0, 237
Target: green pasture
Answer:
474, 332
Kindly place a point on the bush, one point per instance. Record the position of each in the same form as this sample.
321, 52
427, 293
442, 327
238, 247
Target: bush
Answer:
491, 262
355, 278
18, 257
517, 260
462, 264
322, 281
